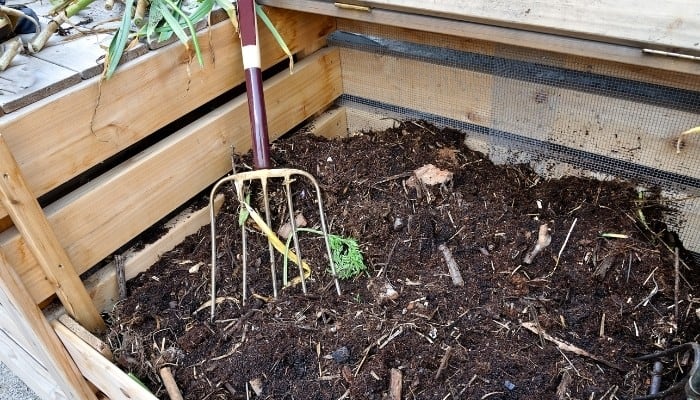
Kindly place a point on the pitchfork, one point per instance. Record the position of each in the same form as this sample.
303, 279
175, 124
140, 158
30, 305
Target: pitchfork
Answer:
262, 167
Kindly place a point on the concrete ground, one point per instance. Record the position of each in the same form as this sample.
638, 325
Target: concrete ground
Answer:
12, 388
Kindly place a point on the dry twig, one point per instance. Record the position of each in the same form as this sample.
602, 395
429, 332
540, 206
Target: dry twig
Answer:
543, 240
395, 383
676, 288
452, 266
443, 362
569, 347
121, 275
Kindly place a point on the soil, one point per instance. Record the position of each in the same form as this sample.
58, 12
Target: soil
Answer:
566, 326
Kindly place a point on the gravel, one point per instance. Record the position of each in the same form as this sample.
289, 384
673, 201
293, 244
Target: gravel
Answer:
12, 388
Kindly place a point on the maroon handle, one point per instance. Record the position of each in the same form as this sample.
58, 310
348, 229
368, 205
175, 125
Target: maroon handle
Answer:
253, 83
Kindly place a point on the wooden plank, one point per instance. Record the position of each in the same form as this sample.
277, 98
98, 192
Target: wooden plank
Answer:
47, 349
617, 128
630, 22
362, 119
84, 55
448, 91
531, 40
86, 336
27, 368
545, 56
30, 79
102, 285
32, 224
107, 377
331, 124
109, 211
92, 121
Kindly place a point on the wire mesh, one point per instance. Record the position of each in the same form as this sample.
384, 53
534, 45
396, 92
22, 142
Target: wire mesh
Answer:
562, 114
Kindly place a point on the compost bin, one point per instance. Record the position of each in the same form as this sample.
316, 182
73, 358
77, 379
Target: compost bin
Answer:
89, 164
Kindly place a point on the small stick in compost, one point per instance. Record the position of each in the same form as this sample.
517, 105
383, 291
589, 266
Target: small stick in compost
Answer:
569, 347
170, 384
676, 288
566, 240
543, 240
563, 385
121, 275
395, 383
444, 362
452, 266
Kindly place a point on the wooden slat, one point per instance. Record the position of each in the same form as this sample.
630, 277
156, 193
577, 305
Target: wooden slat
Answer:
630, 22
62, 136
30, 79
516, 37
616, 128
46, 347
107, 377
27, 368
31, 222
102, 285
330, 124
93, 341
109, 211
84, 55
545, 56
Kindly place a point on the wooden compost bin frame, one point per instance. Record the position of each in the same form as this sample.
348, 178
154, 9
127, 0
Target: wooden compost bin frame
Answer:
45, 250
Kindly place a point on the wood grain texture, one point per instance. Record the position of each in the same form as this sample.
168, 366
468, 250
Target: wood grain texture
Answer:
30, 79
40, 342
58, 138
102, 285
42, 243
621, 129
607, 63
109, 211
640, 23
107, 377
592, 49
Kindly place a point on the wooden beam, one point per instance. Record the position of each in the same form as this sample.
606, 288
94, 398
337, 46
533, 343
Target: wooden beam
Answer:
86, 336
31, 79
109, 211
605, 21
621, 129
102, 285
520, 38
107, 377
585, 61
40, 239
330, 124
27, 368
60, 137
47, 348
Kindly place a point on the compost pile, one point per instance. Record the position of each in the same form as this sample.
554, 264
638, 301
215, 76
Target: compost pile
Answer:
567, 325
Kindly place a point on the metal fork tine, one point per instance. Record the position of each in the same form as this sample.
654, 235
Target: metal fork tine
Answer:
244, 243
273, 268
240, 180
293, 224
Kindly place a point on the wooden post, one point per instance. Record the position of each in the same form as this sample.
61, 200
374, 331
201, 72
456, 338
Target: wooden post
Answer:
29, 218
37, 333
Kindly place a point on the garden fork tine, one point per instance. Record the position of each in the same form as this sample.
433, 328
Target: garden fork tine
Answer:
250, 51
240, 179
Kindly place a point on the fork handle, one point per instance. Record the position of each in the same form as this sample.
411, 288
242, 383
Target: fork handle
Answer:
250, 49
